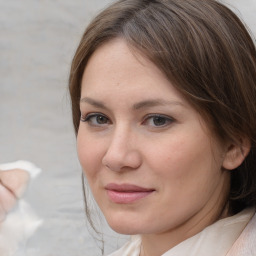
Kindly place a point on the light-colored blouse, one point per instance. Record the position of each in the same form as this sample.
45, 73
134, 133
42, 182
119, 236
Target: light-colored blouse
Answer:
232, 236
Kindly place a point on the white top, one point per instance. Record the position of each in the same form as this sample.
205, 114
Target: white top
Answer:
232, 236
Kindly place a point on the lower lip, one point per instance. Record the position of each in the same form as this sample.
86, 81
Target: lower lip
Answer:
120, 197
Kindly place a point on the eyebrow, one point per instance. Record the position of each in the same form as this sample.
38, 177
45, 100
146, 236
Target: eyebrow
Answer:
155, 102
93, 102
136, 106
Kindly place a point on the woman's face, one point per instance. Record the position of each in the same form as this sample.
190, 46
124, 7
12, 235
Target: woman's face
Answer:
151, 163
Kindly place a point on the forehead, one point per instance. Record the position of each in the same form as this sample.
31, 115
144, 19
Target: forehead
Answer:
115, 68
117, 58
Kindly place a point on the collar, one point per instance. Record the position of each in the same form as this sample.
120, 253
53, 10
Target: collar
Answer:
216, 239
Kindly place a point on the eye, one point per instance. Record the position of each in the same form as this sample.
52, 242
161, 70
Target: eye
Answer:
95, 119
156, 120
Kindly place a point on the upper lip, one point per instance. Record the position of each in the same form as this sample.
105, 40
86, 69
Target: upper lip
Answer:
126, 188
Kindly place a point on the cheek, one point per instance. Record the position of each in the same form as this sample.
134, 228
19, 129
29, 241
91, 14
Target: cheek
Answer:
90, 154
184, 160
187, 173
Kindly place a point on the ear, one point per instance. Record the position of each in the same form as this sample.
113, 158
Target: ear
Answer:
236, 154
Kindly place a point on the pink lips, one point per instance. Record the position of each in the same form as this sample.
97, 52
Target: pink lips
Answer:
126, 193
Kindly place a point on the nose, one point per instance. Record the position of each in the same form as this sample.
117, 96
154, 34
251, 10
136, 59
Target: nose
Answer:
122, 153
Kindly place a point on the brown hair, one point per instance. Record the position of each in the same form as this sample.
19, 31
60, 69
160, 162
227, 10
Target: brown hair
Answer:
205, 51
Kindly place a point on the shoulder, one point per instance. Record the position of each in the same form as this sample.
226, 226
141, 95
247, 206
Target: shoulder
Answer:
131, 248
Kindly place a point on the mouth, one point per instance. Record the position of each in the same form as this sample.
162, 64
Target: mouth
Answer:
126, 193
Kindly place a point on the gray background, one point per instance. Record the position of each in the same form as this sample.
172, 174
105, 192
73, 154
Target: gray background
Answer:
37, 41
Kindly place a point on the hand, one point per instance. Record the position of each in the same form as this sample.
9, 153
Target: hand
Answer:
12, 185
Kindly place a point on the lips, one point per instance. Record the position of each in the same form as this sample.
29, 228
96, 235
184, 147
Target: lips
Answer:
126, 193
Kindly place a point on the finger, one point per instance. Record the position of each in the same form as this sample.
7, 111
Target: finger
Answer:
15, 181
7, 200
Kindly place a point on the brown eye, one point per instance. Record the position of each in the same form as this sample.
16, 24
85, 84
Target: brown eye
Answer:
101, 119
96, 119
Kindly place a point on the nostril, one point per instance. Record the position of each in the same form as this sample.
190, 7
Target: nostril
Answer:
121, 154
132, 160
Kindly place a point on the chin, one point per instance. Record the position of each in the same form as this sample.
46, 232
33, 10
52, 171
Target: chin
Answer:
125, 225
125, 230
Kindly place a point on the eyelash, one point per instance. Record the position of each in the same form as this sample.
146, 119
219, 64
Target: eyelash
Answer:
88, 118
166, 119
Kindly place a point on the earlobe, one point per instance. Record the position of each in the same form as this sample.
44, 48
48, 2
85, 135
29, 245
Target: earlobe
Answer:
236, 154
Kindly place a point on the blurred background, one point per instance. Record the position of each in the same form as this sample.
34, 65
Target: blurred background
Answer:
37, 41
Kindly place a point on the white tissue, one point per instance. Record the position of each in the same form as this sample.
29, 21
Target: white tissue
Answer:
19, 225
21, 222
24, 165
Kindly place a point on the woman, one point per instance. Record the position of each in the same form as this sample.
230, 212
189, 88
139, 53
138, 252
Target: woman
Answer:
163, 97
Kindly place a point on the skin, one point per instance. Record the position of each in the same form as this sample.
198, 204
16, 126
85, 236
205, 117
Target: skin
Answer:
12, 185
120, 140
